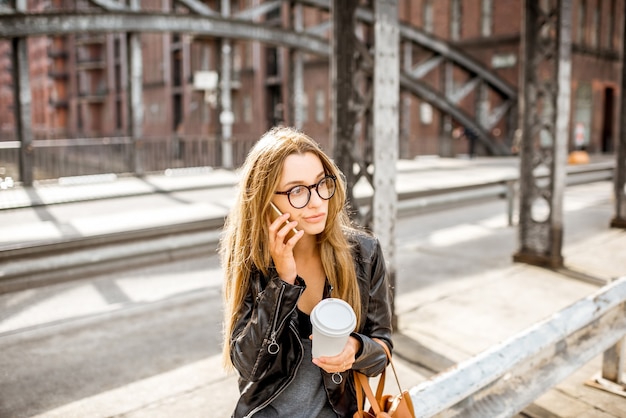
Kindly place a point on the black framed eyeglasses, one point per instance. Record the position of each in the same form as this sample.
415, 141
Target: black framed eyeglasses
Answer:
300, 195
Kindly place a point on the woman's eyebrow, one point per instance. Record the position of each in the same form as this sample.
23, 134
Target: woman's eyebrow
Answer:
302, 182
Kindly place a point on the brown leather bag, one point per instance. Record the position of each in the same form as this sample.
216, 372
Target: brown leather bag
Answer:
382, 406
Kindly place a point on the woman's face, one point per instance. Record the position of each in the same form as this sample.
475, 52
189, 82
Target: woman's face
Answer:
303, 170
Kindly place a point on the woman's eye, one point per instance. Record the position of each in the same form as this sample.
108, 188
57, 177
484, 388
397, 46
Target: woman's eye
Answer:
298, 190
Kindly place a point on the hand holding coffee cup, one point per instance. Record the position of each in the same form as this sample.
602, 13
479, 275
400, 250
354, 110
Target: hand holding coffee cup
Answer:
333, 320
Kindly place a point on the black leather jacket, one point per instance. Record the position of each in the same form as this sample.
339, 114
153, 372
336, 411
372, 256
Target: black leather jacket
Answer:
266, 348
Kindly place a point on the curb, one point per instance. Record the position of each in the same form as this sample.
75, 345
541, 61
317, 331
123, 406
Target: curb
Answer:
52, 269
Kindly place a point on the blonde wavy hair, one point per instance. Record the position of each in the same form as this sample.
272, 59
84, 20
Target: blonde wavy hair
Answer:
244, 242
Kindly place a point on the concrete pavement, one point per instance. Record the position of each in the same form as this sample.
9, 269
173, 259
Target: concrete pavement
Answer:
440, 324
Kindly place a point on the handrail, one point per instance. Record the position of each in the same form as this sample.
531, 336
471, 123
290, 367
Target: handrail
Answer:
412, 201
536, 359
10, 144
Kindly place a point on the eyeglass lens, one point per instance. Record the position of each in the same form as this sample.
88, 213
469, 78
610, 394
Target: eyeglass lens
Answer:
299, 196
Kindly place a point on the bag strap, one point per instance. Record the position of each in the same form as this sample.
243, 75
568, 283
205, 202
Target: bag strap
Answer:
362, 384
359, 394
384, 345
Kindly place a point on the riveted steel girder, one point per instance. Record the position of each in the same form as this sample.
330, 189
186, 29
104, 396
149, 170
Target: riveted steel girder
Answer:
619, 220
23, 108
343, 68
439, 100
545, 128
412, 83
203, 21
386, 129
442, 48
22, 25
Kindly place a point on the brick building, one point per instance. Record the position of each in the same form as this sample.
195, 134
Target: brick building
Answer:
79, 82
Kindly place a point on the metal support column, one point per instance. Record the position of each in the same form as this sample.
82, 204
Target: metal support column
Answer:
446, 146
613, 363
545, 110
619, 221
482, 114
386, 126
23, 100
296, 69
226, 115
375, 161
344, 114
135, 94
405, 103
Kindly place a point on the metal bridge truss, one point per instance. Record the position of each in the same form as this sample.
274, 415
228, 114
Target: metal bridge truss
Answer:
422, 57
423, 54
545, 120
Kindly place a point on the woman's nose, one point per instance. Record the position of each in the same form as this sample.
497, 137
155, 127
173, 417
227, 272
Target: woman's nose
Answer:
315, 200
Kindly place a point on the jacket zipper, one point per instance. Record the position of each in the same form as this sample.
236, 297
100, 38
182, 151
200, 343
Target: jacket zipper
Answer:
282, 389
273, 342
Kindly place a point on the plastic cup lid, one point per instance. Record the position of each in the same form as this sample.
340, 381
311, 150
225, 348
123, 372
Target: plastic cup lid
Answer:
333, 316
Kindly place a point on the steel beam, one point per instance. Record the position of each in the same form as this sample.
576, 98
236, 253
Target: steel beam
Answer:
109, 4
613, 363
23, 108
258, 10
23, 103
458, 57
619, 220
227, 118
344, 115
535, 359
203, 21
446, 146
545, 122
135, 96
216, 26
386, 127
198, 7
295, 114
439, 101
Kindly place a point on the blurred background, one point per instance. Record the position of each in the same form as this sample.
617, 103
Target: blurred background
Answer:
460, 60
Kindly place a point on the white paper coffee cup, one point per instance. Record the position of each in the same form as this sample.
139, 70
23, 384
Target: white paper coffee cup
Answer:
333, 320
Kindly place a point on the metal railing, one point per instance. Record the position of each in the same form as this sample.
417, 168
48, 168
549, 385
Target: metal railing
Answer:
535, 360
56, 158
9, 162
506, 187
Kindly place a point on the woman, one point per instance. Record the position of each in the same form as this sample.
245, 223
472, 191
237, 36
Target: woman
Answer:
274, 281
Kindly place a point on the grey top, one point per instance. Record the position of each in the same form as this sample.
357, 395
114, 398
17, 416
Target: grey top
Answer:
305, 397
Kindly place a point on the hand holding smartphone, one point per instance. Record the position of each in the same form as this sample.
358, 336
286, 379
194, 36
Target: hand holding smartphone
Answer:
274, 214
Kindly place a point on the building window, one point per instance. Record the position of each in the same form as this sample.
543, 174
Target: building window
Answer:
610, 29
595, 26
455, 20
428, 16
582, 16
320, 106
486, 17
304, 107
426, 113
582, 116
118, 115
247, 109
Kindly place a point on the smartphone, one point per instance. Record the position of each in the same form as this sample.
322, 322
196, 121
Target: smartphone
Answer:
275, 213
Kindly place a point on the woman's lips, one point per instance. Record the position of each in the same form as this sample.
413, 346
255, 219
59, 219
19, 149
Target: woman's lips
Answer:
315, 218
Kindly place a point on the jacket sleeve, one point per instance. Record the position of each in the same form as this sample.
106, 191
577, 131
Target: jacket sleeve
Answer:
376, 304
263, 318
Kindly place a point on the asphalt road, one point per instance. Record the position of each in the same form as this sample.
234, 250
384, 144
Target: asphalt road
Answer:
68, 358
72, 359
